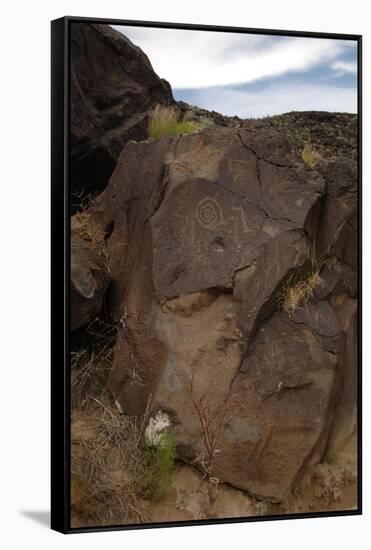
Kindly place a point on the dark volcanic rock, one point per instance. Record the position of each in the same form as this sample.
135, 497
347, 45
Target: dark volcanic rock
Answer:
339, 208
113, 86
204, 230
343, 438
89, 276
285, 395
196, 236
332, 135
209, 118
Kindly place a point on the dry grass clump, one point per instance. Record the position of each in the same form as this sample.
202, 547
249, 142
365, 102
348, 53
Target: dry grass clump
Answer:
296, 293
163, 121
106, 464
82, 224
81, 202
90, 369
88, 375
299, 289
114, 468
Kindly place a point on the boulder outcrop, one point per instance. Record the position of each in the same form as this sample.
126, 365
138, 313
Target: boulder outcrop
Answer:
113, 86
201, 233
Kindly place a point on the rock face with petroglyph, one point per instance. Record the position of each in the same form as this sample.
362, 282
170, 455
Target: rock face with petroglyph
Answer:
202, 232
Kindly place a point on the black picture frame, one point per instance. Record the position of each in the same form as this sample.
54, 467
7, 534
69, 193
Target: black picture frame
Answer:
60, 273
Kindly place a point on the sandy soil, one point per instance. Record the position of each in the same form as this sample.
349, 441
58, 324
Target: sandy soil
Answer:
329, 486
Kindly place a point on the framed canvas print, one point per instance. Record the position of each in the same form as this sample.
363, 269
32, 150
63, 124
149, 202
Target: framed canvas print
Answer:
205, 274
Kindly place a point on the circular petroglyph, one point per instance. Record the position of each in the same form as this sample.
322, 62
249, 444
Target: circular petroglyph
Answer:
209, 213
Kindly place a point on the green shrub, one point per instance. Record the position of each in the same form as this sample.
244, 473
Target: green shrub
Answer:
159, 465
308, 156
185, 127
163, 121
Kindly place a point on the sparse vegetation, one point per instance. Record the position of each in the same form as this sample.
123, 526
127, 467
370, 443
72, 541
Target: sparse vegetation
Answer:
114, 468
159, 466
211, 414
309, 155
300, 288
80, 223
296, 292
88, 375
164, 122
211, 419
331, 136
106, 464
81, 202
89, 369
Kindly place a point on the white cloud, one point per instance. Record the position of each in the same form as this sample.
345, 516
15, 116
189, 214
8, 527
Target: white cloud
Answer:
277, 99
199, 59
345, 67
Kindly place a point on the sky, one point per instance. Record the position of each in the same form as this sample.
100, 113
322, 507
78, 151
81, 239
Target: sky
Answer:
252, 75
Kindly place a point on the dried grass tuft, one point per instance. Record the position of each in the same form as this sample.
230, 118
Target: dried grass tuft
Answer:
106, 464
299, 289
164, 122
90, 369
296, 293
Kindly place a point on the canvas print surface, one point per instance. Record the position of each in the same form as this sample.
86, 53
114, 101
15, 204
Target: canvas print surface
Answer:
213, 202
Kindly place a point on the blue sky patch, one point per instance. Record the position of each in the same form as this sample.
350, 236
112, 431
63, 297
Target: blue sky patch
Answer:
252, 75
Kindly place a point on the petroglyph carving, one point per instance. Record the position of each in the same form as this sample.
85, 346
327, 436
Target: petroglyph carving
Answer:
241, 219
209, 213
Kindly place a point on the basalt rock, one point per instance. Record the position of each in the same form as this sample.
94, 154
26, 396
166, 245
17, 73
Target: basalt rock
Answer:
113, 86
343, 440
89, 275
201, 233
331, 135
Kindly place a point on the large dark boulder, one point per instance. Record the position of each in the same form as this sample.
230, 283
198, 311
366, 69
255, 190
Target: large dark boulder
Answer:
113, 86
204, 231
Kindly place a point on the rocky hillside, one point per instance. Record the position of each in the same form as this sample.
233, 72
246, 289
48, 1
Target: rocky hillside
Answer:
226, 259
332, 135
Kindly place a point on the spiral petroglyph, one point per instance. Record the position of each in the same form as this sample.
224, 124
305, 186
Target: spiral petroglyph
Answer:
209, 213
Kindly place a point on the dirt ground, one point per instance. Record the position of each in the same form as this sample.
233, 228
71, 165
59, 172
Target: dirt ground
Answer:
102, 492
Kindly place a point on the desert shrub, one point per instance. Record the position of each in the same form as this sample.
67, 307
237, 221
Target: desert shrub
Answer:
163, 121
300, 288
159, 465
113, 465
309, 156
